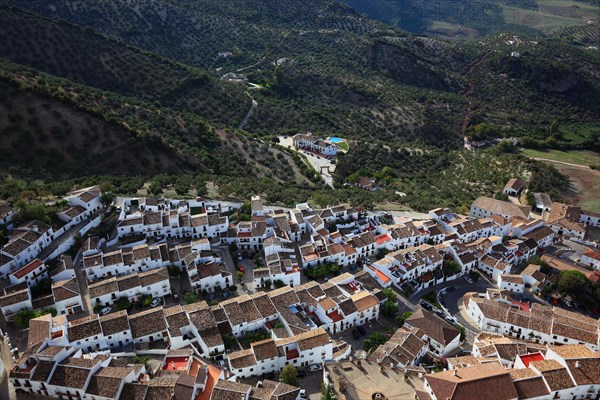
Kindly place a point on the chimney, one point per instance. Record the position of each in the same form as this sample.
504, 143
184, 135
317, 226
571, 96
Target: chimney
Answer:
455, 372
577, 365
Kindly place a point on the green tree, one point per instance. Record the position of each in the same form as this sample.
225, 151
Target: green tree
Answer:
183, 185
451, 267
462, 330
325, 391
289, 375
21, 318
28, 212
230, 342
107, 198
155, 188
389, 309
141, 360
240, 275
174, 271
571, 282
374, 340
402, 317
123, 303
322, 199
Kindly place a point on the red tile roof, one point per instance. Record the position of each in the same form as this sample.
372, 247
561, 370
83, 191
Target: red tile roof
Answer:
383, 239
291, 354
527, 358
32, 266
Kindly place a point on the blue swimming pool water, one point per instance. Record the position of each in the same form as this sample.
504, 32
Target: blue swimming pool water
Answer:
335, 139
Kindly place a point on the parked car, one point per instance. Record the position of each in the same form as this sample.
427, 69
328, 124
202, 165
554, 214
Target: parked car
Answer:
239, 256
301, 373
302, 393
450, 319
315, 367
441, 314
426, 305
105, 310
211, 296
155, 302
225, 295
443, 302
362, 330
355, 334
175, 297
468, 279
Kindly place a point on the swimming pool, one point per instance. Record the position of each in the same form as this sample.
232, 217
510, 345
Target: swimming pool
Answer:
335, 139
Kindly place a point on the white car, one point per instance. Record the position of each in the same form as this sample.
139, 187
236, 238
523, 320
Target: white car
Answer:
105, 310
315, 367
468, 279
451, 319
155, 301
302, 393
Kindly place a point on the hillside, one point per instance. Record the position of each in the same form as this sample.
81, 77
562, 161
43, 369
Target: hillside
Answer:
203, 88
54, 126
331, 63
473, 19
321, 66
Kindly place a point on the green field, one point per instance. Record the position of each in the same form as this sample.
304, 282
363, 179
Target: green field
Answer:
344, 146
586, 9
581, 157
551, 15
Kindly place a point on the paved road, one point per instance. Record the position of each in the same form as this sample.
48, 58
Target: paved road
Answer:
253, 106
82, 281
454, 300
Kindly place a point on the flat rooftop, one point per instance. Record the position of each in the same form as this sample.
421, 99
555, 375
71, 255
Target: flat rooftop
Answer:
361, 382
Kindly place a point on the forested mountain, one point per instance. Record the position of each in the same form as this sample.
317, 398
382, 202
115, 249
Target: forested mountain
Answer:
115, 87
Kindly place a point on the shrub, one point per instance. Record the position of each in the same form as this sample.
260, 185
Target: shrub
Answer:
190, 297
279, 283
145, 300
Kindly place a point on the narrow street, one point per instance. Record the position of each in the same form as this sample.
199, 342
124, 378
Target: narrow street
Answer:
82, 281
